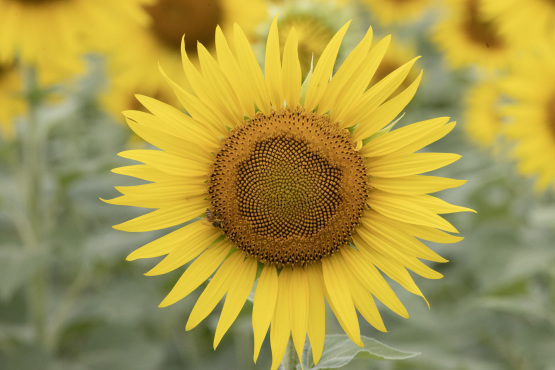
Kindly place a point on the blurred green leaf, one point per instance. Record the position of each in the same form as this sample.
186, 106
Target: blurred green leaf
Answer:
339, 350
17, 265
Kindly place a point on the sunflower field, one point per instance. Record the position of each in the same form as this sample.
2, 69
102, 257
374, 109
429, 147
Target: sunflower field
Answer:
312, 184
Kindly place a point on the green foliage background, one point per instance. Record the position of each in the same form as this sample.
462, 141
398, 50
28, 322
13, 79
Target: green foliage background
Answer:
71, 301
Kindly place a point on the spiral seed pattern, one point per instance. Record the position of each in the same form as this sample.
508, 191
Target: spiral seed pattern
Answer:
289, 187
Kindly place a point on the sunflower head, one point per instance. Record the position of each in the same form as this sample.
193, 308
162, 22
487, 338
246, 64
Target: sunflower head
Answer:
300, 181
171, 19
479, 30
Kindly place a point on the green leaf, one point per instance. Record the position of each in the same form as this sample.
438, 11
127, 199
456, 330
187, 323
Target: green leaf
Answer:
339, 351
17, 265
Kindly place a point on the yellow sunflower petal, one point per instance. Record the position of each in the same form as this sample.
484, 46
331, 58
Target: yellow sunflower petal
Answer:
391, 232
397, 139
281, 327
166, 217
415, 184
432, 137
378, 93
298, 310
186, 129
431, 234
348, 71
263, 305
144, 172
135, 201
224, 92
291, 70
169, 163
248, 64
316, 325
194, 233
372, 280
384, 247
434, 204
216, 289
187, 249
401, 210
384, 114
164, 190
395, 271
364, 303
347, 103
272, 67
236, 297
211, 119
198, 272
409, 164
170, 143
232, 71
337, 288
205, 92
323, 70
172, 120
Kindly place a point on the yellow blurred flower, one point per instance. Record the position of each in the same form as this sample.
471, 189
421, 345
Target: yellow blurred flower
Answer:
467, 38
523, 22
390, 12
52, 34
11, 102
483, 114
531, 115
320, 211
133, 68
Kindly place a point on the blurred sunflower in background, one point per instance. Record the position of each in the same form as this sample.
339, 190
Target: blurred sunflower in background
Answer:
11, 99
468, 38
392, 12
530, 86
315, 24
523, 22
483, 113
293, 193
52, 34
158, 42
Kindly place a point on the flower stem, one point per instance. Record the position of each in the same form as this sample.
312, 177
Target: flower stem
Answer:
31, 235
290, 360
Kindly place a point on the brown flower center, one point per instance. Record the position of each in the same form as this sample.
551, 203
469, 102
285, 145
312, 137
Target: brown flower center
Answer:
196, 19
288, 187
479, 30
5, 69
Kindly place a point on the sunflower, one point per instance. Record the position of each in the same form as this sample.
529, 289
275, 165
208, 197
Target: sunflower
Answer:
483, 121
523, 22
158, 43
467, 38
390, 12
300, 189
531, 115
51, 34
